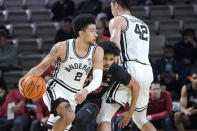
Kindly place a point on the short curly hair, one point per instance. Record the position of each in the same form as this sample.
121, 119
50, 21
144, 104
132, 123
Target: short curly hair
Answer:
110, 47
81, 21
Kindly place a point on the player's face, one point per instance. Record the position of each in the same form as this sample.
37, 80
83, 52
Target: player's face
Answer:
90, 34
114, 9
194, 80
155, 91
108, 61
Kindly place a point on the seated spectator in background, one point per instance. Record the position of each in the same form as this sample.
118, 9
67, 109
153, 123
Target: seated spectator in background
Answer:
145, 2
90, 6
103, 17
188, 104
187, 47
154, 2
13, 111
65, 32
2, 27
8, 53
62, 8
42, 115
4, 124
100, 30
159, 109
168, 70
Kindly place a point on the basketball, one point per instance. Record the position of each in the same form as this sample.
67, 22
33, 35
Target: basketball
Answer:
33, 87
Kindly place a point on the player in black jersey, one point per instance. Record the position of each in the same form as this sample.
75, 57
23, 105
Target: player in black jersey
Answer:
113, 73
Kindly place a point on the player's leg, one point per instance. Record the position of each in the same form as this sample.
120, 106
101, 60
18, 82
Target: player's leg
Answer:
87, 113
180, 119
66, 114
139, 118
105, 115
148, 127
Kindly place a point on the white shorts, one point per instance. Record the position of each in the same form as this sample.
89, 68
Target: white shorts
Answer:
107, 112
144, 75
55, 91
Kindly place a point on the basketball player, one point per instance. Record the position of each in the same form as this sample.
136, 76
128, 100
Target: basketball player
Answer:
113, 74
75, 58
132, 35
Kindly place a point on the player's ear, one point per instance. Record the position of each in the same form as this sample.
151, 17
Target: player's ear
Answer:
81, 33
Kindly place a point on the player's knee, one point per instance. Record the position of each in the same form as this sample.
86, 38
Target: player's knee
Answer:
65, 112
140, 122
80, 118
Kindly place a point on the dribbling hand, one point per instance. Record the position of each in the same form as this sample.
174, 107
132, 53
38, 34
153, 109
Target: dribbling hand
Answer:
81, 95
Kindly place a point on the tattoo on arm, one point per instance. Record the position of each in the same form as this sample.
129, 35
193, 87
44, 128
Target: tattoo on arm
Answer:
54, 50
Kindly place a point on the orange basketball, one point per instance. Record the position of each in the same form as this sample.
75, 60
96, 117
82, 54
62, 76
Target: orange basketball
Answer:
33, 86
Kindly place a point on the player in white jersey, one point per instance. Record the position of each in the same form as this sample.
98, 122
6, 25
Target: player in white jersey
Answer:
75, 58
133, 36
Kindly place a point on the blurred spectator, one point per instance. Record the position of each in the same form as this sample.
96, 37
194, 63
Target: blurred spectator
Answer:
65, 32
154, 2
62, 8
168, 70
13, 111
90, 6
107, 11
145, 2
159, 109
42, 115
187, 47
188, 104
2, 27
8, 54
100, 30
103, 17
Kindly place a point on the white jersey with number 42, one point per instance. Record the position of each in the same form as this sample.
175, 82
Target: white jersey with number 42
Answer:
135, 40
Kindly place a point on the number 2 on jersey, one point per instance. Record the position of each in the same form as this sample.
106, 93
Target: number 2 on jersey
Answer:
142, 31
78, 76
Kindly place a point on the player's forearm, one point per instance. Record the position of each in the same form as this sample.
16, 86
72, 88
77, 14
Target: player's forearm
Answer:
182, 109
37, 70
96, 82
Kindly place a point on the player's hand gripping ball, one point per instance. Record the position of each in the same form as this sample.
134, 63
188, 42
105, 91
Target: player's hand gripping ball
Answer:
32, 86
